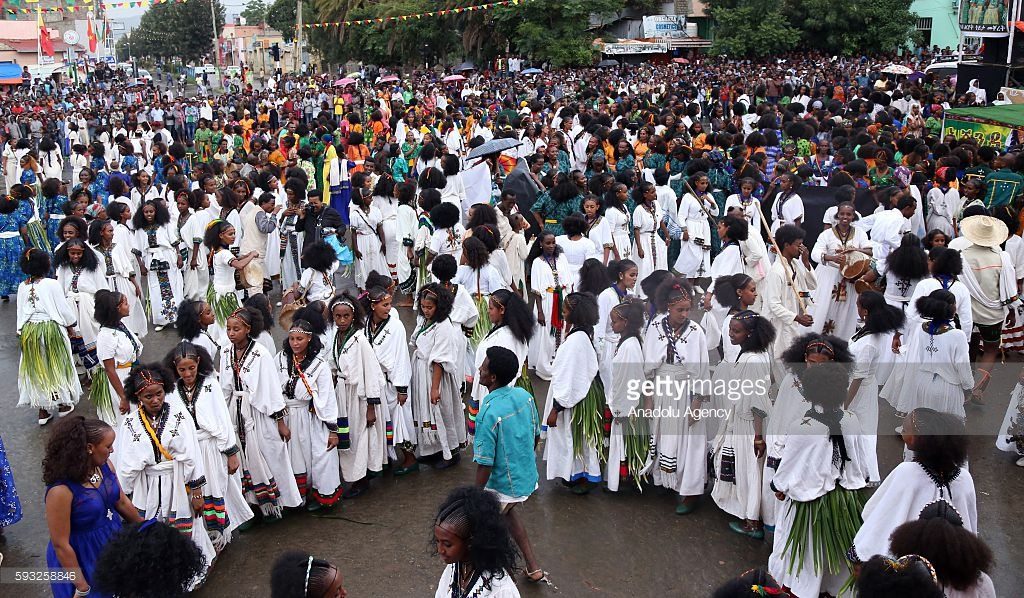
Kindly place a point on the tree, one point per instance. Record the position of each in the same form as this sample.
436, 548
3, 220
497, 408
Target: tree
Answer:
182, 30
557, 31
255, 12
281, 17
846, 27
753, 29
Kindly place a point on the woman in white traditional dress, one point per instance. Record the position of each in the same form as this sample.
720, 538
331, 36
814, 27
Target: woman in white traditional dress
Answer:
597, 228
115, 262
118, 349
46, 371
197, 325
386, 203
434, 390
945, 266
479, 278
197, 271
285, 249
512, 327
252, 388
551, 277
938, 471
467, 519
809, 350
628, 440
156, 249
694, 259
739, 449
159, 463
198, 391
650, 250
448, 232
868, 346
79, 275
938, 367
223, 293
368, 239
819, 479
623, 274
616, 213
319, 263
390, 342
747, 203
362, 416
312, 416
732, 230
676, 348
834, 303
905, 266
465, 312
943, 202
574, 387
577, 246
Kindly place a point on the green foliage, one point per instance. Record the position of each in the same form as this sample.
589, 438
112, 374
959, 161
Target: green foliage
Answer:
555, 31
281, 17
752, 31
843, 27
255, 12
173, 30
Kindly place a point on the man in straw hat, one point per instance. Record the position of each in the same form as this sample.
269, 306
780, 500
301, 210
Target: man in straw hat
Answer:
990, 277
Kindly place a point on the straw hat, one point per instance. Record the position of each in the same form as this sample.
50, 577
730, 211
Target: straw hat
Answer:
985, 231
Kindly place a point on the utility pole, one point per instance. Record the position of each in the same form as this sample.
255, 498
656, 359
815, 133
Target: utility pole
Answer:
216, 45
298, 38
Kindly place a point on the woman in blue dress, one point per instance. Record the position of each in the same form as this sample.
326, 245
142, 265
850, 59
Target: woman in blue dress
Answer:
13, 238
85, 505
51, 204
10, 506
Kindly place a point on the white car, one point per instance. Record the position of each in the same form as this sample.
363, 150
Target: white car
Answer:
144, 76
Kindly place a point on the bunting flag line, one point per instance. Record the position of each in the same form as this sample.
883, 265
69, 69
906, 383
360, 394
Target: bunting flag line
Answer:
12, 7
402, 18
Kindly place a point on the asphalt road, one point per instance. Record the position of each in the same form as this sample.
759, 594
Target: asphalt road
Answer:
600, 544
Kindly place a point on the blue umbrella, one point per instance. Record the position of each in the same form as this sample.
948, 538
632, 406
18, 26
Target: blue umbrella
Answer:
532, 72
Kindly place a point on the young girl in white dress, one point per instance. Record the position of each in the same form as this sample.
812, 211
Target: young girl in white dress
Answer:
628, 440
222, 294
197, 390
464, 314
623, 275
390, 342
740, 447
319, 262
938, 471
676, 348
551, 277
694, 259
597, 228
747, 203
387, 205
118, 349
252, 388
362, 416
904, 267
437, 403
79, 275
512, 326
197, 325
574, 388
649, 248
479, 278
448, 232
46, 373
576, 245
617, 215
156, 248
159, 464
820, 478
115, 262
368, 240
941, 369
312, 416
809, 350
868, 346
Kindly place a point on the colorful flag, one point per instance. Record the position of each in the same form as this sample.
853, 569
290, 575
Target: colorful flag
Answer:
92, 37
45, 44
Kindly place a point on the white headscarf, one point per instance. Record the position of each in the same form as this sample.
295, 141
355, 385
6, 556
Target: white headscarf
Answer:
979, 94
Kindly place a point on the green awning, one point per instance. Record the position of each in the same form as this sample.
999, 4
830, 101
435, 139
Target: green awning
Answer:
1010, 114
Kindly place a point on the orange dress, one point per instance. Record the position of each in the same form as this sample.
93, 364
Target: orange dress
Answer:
357, 154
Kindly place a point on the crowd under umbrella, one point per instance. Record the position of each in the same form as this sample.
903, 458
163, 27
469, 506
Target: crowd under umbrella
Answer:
454, 78
344, 81
897, 69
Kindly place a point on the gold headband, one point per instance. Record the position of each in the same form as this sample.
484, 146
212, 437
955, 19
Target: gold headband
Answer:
147, 382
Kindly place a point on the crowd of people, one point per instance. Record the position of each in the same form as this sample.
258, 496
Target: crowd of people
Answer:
633, 237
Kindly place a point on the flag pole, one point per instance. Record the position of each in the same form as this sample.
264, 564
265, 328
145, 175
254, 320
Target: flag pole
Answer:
39, 33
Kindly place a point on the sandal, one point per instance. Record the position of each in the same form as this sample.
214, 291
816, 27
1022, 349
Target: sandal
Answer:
978, 393
543, 577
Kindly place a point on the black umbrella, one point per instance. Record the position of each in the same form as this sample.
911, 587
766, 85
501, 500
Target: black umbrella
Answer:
466, 66
494, 146
607, 62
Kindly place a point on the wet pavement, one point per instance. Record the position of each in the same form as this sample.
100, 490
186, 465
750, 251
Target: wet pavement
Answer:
600, 544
